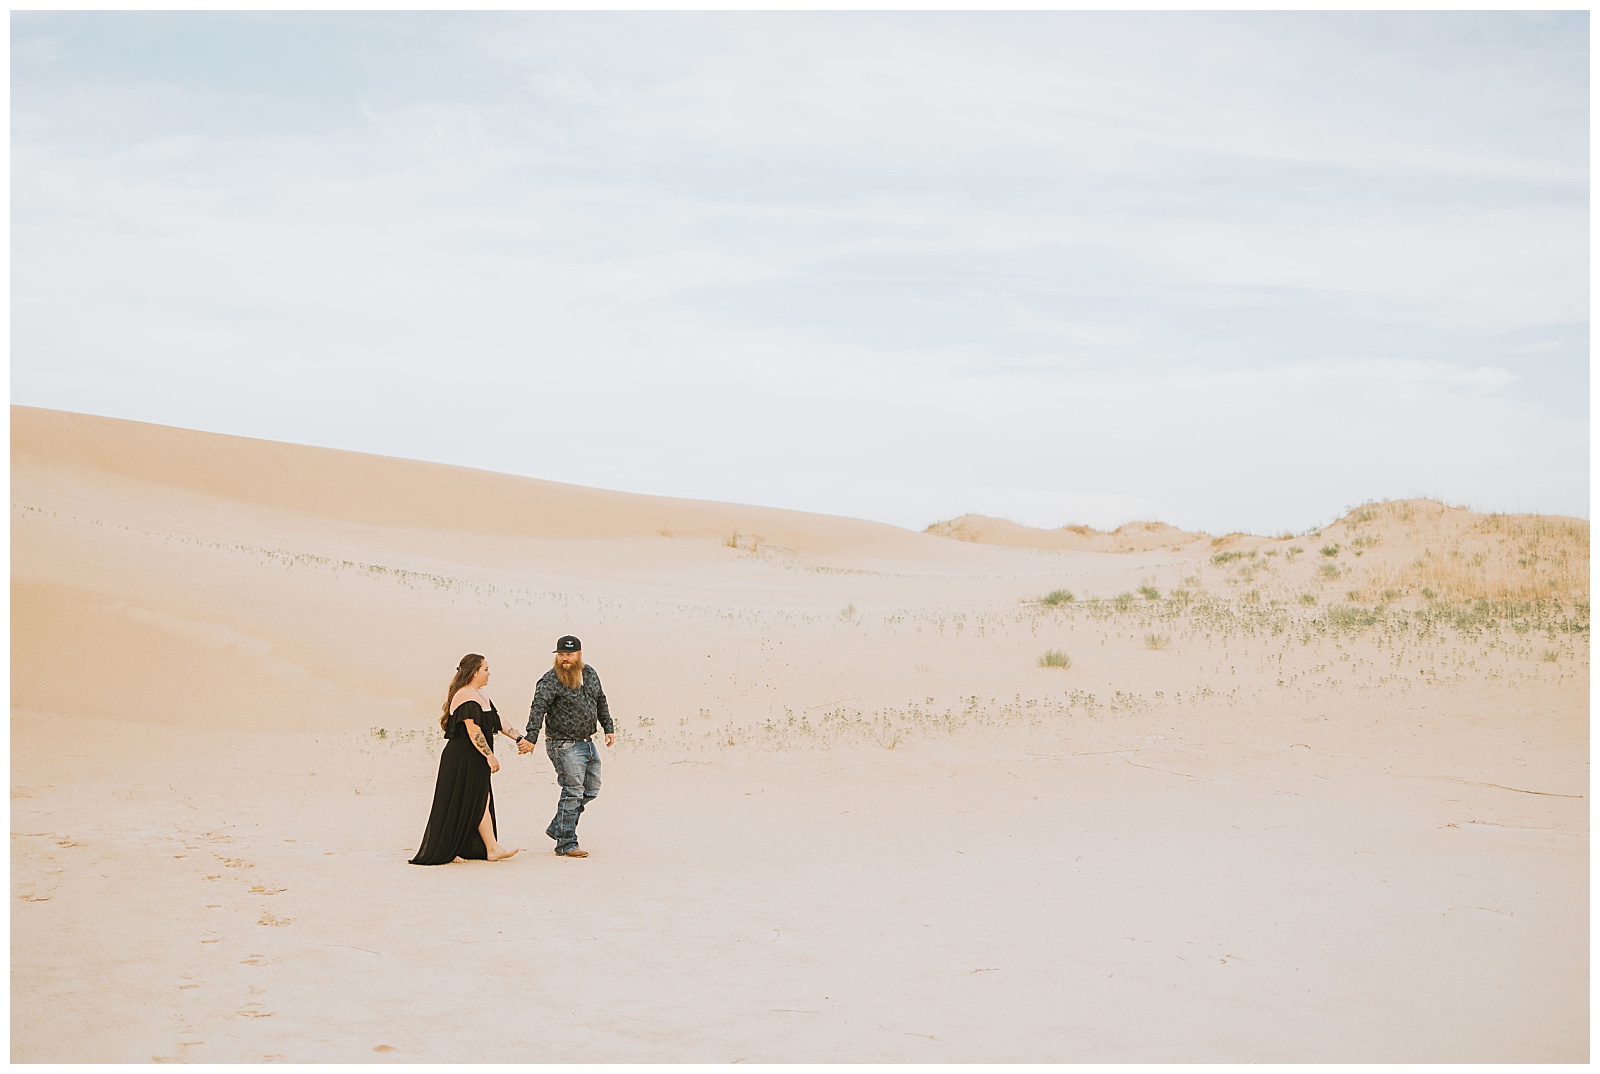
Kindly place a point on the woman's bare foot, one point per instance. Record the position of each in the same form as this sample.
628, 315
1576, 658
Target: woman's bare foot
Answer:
502, 854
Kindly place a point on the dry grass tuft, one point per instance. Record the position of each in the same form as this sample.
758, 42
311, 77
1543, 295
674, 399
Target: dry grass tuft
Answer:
1468, 556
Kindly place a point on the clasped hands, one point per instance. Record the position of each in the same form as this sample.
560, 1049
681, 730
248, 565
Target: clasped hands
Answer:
527, 746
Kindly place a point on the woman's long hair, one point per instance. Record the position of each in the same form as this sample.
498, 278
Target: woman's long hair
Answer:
464, 672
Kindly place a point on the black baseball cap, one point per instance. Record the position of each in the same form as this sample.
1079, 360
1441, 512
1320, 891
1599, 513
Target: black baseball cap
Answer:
569, 644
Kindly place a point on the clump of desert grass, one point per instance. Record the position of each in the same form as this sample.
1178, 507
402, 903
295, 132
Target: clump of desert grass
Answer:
1056, 597
1054, 658
1451, 554
1157, 642
744, 542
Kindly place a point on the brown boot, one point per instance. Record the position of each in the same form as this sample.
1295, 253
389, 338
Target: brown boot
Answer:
575, 852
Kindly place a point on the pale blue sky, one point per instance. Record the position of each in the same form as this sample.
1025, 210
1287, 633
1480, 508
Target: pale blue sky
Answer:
1231, 271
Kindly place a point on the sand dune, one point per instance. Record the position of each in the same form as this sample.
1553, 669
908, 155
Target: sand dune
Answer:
1321, 798
1130, 537
1394, 550
347, 486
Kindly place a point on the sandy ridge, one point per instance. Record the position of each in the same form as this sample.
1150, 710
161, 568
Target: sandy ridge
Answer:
379, 490
1322, 798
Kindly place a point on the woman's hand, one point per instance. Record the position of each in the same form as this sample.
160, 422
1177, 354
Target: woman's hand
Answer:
494, 764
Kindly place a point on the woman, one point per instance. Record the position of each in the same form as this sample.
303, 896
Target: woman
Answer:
461, 824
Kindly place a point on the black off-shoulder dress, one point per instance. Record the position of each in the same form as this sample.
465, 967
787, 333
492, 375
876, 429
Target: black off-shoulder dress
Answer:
461, 792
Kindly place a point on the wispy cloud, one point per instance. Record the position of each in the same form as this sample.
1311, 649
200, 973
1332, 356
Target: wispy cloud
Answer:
1087, 255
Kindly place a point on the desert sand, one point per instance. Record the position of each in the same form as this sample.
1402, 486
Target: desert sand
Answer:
1302, 798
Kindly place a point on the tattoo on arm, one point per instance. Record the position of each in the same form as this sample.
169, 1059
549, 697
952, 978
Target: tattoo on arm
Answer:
477, 740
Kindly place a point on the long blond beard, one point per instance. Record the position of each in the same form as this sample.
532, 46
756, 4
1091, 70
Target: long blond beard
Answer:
570, 678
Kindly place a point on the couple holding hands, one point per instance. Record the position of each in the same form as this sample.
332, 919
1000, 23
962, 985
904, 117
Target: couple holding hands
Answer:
568, 703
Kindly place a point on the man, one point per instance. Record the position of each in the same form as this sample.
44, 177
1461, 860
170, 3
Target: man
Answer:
568, 702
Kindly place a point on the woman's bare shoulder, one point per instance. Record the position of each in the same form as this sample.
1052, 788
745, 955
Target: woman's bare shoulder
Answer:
467, 693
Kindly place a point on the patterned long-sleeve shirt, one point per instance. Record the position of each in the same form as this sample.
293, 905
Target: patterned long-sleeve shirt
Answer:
569, 713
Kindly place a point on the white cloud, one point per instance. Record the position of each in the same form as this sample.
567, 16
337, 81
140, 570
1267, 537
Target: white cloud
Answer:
1077, 261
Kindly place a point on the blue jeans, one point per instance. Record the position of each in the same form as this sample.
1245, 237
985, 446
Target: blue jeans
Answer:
577, 767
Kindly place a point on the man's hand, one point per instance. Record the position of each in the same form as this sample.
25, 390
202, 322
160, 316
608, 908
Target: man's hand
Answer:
525, 746
610, 738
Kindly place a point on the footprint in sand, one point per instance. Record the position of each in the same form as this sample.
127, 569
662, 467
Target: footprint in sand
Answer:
385, 1048
255, 1010
262, 889
30, 897
182, 1054
236, 863
268, 919
211, 936
69, 843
